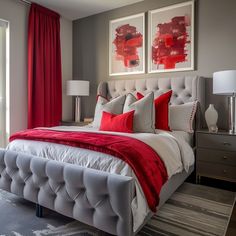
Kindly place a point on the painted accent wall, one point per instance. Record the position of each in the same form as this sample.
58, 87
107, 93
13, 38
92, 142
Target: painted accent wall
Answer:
215, 47
17, 14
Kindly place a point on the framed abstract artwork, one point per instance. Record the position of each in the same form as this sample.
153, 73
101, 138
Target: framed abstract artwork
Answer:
171, 38
127, 45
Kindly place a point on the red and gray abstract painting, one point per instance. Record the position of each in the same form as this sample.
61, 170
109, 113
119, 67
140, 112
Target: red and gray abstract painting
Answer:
127, 41
170, 41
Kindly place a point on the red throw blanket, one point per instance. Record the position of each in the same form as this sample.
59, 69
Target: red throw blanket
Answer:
145, 162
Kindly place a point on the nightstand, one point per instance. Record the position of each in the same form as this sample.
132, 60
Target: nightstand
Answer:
216, 156
73, 123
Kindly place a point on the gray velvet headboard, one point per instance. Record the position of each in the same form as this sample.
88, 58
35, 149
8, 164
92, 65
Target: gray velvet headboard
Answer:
185, 89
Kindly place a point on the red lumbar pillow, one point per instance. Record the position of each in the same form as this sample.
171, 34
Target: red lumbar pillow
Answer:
117, 123
161, 110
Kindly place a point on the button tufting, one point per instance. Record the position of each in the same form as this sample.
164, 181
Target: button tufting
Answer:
67, 197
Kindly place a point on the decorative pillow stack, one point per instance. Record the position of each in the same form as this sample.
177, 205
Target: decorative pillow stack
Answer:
125, 114
143, 114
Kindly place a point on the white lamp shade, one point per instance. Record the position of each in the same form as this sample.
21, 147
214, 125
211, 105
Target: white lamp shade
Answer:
77, 88
224, 82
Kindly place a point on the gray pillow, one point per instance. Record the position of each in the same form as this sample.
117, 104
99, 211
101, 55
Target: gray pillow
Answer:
181, 117
114, 106
144, 112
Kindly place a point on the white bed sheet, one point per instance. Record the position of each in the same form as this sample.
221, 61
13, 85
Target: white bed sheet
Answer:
188, 137
172, 148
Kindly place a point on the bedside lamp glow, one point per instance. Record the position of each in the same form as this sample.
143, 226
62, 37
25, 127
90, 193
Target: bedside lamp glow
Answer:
77, 88
224, 83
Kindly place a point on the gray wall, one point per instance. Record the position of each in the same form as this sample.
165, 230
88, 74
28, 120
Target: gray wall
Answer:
215, 47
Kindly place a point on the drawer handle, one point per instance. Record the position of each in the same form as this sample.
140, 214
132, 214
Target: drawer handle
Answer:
226, 144
225, 157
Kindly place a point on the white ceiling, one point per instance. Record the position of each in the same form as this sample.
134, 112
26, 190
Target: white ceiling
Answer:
75, 9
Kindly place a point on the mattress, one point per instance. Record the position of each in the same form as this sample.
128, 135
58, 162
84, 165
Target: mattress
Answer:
172, 147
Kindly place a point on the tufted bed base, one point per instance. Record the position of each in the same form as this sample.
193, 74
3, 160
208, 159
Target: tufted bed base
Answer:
93, 197
96, 198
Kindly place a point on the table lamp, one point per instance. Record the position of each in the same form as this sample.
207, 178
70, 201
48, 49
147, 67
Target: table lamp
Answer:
224, 83
77, 88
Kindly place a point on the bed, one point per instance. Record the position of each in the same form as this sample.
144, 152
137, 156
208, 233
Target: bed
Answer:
101, 198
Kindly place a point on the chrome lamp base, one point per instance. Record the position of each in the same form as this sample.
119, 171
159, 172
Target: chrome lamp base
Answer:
77, 109
232, 115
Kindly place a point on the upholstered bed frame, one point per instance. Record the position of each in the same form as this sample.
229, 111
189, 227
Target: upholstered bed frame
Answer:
94, 197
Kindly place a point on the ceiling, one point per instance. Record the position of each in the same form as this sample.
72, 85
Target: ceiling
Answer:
75, 9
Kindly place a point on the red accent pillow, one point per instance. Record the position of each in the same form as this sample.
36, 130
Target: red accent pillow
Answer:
117, 123
161, 110
100, 96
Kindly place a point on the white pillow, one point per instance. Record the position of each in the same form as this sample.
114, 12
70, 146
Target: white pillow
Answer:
114, 106
181, 116
144, 112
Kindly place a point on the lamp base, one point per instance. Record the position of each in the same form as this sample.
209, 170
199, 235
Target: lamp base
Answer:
232, 115
77, 109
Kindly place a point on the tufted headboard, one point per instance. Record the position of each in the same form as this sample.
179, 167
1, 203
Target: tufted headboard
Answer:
185, 89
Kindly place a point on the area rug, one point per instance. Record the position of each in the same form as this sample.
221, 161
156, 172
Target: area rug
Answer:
193, 210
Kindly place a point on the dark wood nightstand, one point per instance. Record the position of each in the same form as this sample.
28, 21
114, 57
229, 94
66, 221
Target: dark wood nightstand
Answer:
73, 123
216, 156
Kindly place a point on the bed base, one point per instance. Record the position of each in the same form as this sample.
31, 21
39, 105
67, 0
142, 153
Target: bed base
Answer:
96, 198
39, 210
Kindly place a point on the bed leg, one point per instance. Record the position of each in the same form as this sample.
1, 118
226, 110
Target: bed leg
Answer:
39, 211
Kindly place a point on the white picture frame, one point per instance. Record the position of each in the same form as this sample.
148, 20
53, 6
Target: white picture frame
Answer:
158, 54
127, 60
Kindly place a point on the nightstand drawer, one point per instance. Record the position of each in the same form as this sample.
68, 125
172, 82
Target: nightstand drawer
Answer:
218, 171
215, 141
216, 156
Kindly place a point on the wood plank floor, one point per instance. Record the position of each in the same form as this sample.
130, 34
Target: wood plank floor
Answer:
231, 230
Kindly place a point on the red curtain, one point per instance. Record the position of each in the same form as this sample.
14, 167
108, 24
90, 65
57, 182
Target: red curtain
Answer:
44, 68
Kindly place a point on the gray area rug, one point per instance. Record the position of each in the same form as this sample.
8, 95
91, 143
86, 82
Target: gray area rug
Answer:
193, 210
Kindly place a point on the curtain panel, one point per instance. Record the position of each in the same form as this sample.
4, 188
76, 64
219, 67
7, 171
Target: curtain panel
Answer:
44, 68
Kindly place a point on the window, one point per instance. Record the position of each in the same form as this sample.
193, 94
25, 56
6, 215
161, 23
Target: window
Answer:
3, 81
